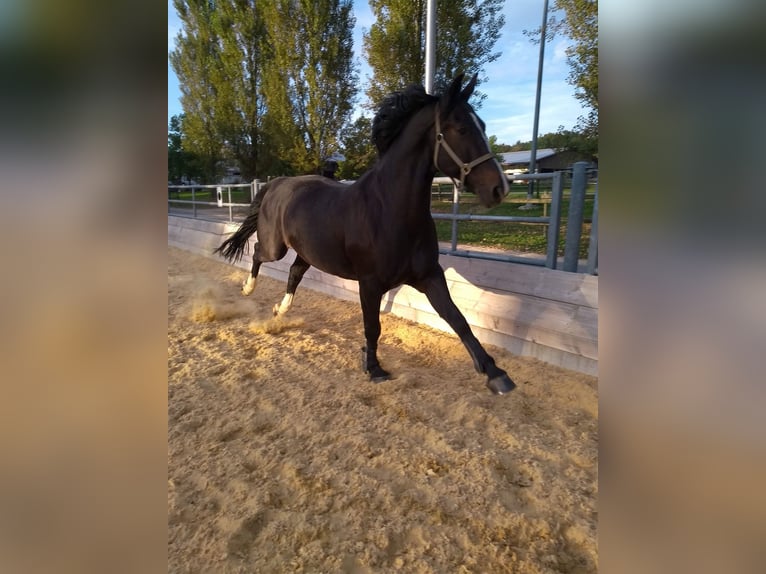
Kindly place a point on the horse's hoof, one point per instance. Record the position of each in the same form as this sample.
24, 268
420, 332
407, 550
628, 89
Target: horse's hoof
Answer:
501, 384
378, 375
248, 286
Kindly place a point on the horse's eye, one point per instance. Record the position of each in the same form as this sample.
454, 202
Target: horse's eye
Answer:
462, 130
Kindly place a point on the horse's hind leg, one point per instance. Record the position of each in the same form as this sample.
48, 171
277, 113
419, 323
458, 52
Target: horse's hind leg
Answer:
297, 269
249, 283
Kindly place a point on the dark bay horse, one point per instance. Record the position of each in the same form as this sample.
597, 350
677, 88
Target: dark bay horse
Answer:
379, 230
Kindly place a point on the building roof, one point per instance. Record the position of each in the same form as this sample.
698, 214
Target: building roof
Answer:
513, 157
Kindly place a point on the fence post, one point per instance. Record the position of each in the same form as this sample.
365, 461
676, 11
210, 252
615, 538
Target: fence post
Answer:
455, 206
554, 227
194, 204
574, 220
254, 189
593, 245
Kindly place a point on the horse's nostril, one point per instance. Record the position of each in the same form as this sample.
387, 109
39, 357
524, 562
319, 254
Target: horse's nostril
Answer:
497, 193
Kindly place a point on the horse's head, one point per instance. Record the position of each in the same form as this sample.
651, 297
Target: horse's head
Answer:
462, 148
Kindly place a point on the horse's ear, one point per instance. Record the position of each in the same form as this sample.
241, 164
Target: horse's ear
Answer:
451, 95
468, 90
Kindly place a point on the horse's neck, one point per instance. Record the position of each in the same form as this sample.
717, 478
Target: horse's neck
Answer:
406, 171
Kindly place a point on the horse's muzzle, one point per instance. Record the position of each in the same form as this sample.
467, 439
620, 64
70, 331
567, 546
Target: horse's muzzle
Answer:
498, 193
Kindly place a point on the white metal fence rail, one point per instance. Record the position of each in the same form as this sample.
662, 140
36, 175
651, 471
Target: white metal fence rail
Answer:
575, 221
209, 196
209, 199
552, 221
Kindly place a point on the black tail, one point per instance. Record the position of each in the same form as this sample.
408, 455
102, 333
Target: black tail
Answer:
234, 247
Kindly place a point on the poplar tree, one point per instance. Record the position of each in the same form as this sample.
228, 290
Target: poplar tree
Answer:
218, 58
467, 31
310, 82
358, 149
265, 84
194, 61
240, 31
578, 21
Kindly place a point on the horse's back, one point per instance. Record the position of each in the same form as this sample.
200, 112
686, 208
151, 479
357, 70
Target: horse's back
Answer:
307, 196
308, 213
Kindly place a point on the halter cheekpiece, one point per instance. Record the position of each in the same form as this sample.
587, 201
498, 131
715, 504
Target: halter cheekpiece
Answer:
465, 168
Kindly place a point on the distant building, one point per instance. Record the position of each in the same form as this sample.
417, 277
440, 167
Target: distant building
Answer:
546, 160
232, 176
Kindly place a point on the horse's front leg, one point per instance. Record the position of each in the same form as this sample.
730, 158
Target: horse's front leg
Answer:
370, 297
435, 288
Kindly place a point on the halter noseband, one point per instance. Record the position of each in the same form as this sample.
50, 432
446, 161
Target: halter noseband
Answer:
465, 168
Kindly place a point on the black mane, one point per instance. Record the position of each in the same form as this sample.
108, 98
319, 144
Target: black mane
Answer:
397, 108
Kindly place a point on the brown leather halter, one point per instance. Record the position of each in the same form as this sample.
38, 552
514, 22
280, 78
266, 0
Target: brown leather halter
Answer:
465, 168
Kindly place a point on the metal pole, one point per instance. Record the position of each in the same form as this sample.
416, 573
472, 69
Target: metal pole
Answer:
574, 220
593, 245
533, 153
455, 209
555, 221
431, 45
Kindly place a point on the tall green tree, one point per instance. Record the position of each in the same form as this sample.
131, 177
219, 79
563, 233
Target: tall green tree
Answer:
194, 61
467, 31
240, 31
310, 82
182, 164
578, 21
358, 149
175, 150
218, 59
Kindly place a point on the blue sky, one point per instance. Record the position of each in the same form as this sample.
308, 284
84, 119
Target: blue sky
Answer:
510, 104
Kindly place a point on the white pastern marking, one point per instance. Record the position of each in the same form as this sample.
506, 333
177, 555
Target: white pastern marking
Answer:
285, 305
249, 285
